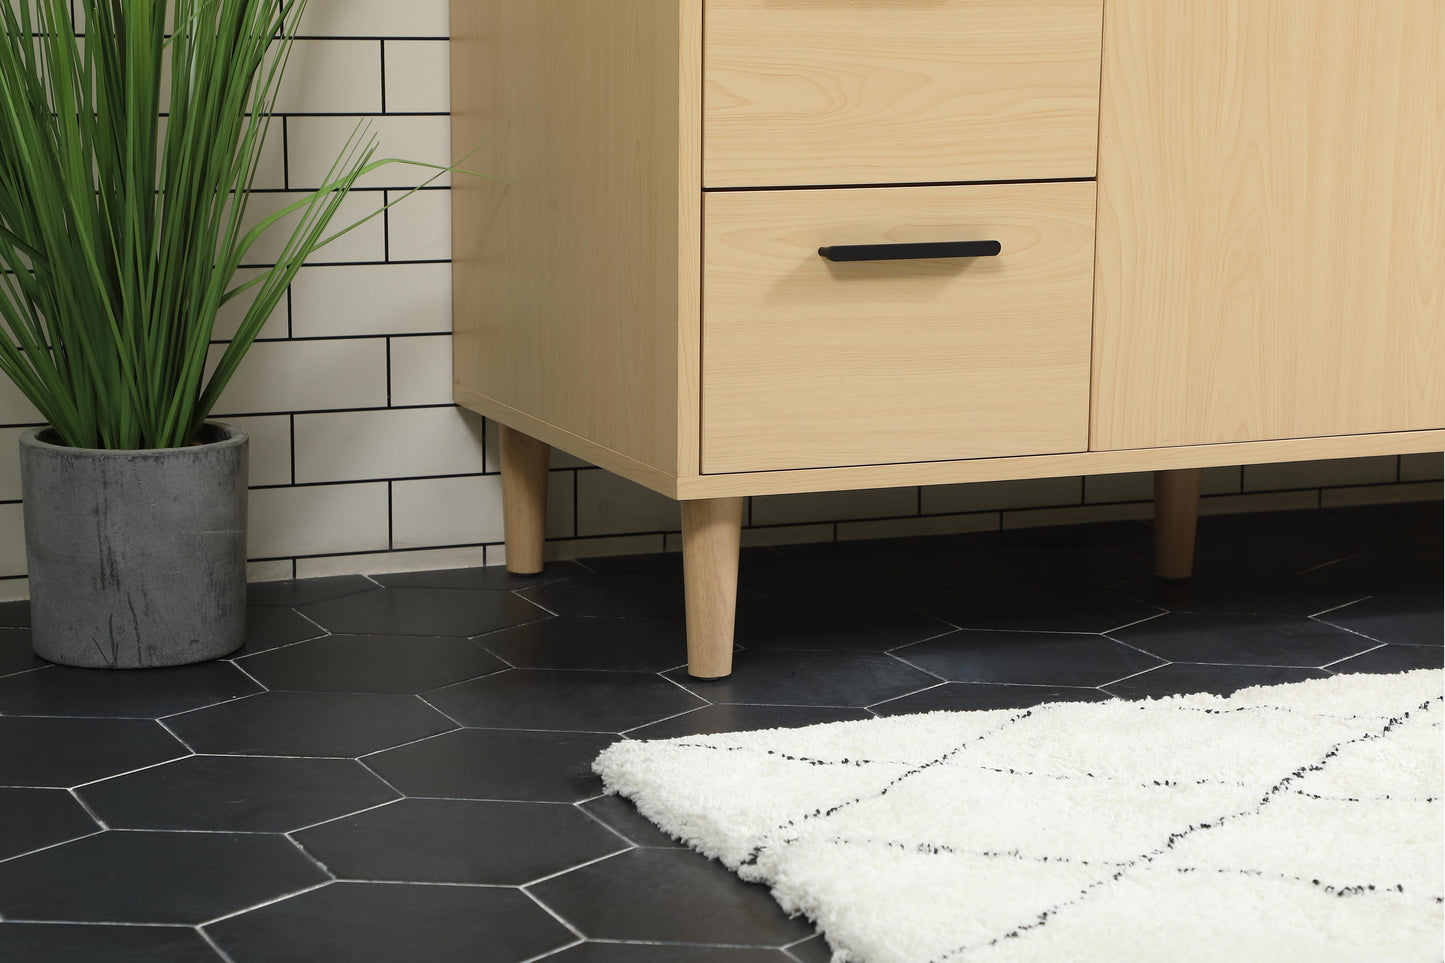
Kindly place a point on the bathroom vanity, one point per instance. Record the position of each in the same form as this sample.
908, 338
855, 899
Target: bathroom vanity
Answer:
745, 247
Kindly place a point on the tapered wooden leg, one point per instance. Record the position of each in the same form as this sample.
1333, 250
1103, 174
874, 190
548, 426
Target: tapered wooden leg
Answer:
711, 529
1176, 517
524, 499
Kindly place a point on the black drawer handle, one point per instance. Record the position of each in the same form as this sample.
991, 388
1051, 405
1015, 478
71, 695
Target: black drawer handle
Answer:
900, 252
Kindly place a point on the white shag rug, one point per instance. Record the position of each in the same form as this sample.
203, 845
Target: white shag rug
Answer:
1293, 822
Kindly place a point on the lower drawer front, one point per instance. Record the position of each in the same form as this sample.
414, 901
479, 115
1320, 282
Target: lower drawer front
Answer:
812, 363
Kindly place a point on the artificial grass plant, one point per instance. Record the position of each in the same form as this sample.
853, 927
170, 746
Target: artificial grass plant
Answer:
127, 158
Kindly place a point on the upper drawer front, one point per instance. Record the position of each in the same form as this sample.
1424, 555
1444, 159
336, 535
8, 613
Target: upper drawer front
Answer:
818, 92
812, 363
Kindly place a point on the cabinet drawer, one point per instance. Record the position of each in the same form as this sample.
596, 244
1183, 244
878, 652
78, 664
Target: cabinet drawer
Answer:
812, 363
817, 92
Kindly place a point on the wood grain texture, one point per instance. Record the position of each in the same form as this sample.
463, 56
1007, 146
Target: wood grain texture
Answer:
1055, 466
813, 92
711, 534
524, 499
662, 482
1271, 247
570, 277
811, 363
689, 239
1176, 520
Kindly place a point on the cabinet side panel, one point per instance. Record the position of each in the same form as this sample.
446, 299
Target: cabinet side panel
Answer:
1271, 227
566, 291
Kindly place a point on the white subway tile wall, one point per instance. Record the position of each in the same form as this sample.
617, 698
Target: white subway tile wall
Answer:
390, 443
319, 520
347, 301
1139, 485
421, 370
10, 465
269, 450
1427, 467
359, 461
12, 544
608, 504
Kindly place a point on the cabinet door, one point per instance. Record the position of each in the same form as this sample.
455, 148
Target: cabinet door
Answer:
1271, 225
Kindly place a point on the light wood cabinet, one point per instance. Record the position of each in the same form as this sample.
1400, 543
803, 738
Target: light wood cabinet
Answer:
821, 92
1271, 221
648, 280
905, 360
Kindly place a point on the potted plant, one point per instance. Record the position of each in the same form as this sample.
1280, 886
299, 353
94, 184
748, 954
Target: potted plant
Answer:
127, 160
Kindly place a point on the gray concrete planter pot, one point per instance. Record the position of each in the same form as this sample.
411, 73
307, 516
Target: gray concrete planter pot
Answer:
136, 558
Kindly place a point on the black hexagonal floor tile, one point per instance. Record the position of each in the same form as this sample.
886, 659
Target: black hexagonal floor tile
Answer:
871, 549
491, 577
1257, 543
617, 595
31, 819
668, 895
1131, 536
1243, 639
670, 563
291, 593
973, 696
1036, 608
797, 678
827, 577
122, 693
336, 724
1184, 678
1385, 574
236, 794
1044, 565
1027, 658
16, 654
1393, 658
386, 922
1403, 620
148, 877
15, 615
372, 663
563, 699
100, 943
271, 626
422, 611
810, 624
1243, 593
593, 952
1375, 529
459, 841
64, 753
815, 950
608, 644
496, 764
740, 718
622, 817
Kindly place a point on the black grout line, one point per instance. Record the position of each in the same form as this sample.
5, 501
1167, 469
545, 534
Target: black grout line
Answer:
388, 372
385, 227
362, 113
427, 260
362, 36
285, 155
433, 189
381, 42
